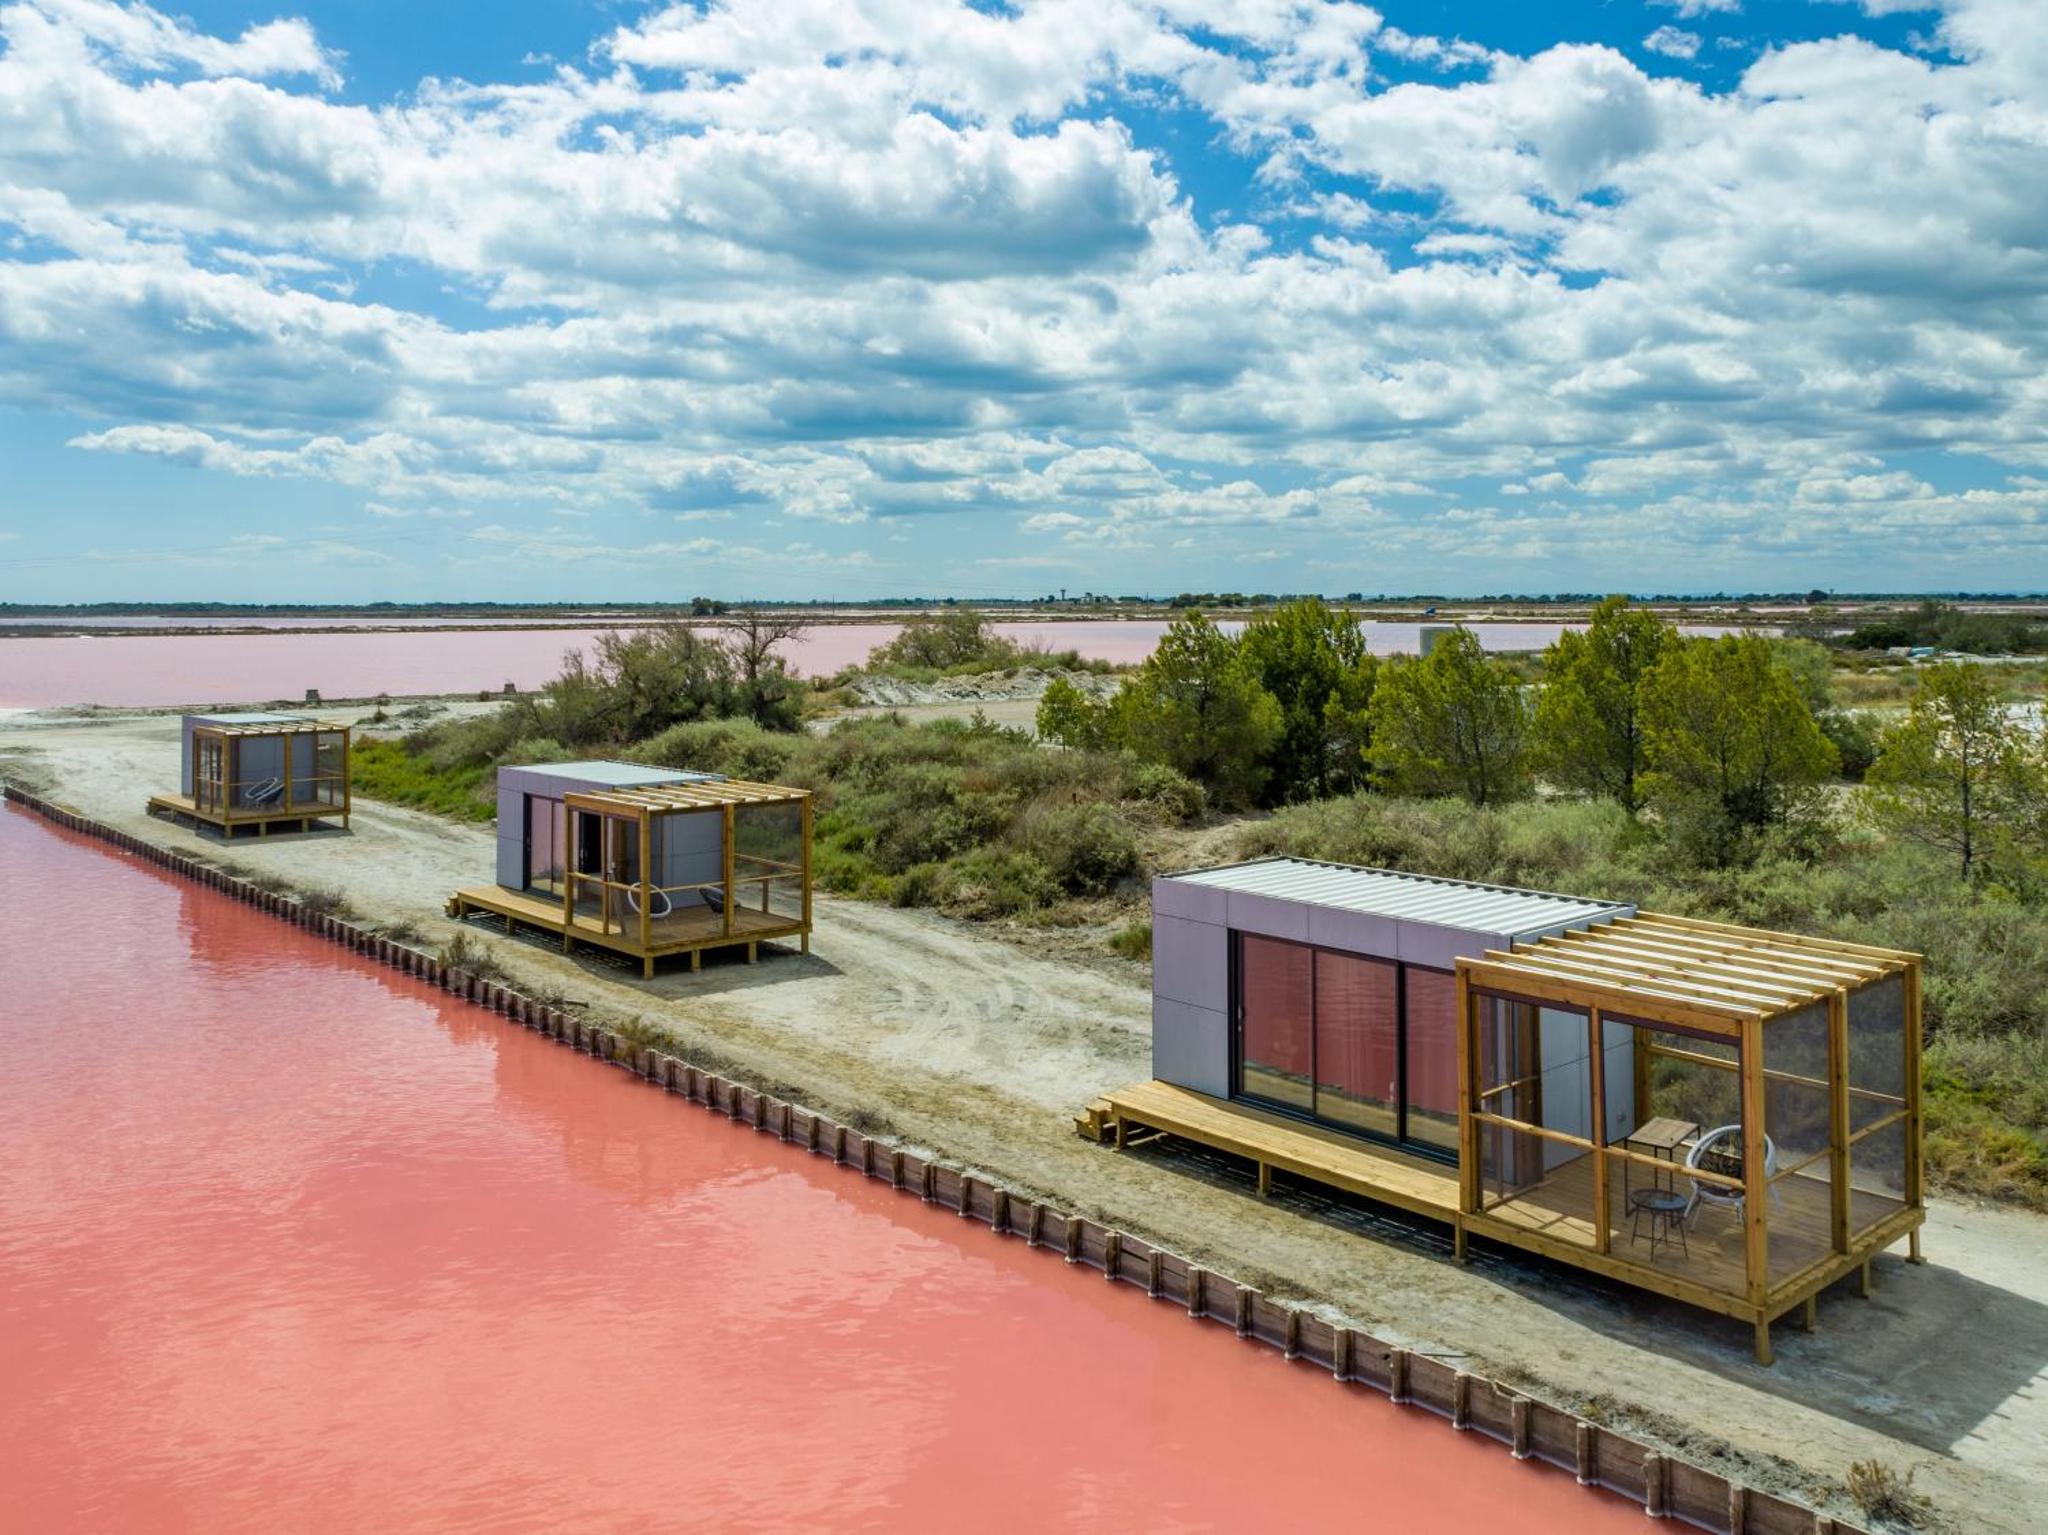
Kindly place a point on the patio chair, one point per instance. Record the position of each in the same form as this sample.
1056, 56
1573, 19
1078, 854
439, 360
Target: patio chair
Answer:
1720, 1151
659, 905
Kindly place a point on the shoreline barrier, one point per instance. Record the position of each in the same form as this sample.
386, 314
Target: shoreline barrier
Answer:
1666, 1486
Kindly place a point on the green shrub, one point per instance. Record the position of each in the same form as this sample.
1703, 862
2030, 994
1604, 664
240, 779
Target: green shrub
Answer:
388, 770
1174, 795
1086, 847
1133, 941
997, 882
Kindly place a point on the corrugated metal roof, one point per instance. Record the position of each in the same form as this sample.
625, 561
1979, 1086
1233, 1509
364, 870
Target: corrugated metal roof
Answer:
1405, 897
619, 775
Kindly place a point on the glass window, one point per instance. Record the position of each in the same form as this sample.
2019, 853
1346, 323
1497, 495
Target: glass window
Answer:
544, 844
1432, 1082
1276, 1010
1358, 1050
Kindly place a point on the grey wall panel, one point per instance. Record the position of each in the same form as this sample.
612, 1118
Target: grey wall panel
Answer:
512, 861
1191, 962
1198, 903
1355, 932
690, 850
511, 810
1424, 943
1191, 1047
1265, 914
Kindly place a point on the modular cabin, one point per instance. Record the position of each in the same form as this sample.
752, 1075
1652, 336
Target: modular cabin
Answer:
254, 771
648, 861
1723, 1115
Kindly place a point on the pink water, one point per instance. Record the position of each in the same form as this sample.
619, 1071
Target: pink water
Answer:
288, 1242
242, 668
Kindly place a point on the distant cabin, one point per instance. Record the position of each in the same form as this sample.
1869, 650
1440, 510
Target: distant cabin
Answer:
258, 771
649, 862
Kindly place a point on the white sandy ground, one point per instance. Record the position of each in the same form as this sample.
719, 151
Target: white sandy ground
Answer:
968, 1046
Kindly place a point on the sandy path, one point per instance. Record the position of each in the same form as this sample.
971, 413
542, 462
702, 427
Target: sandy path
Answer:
970, 1046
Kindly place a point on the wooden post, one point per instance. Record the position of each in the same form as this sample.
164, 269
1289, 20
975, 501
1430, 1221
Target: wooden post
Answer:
286, 741
1518, 1428
1468, 1099
728, 901
1596, 1069
348, 792
1863, 1279
804, 840
647, 889
1655, 1495
1112, 1254
1755, 1187
1585, 1453
570, 820
1809, 1314
1153, 1266
1916, 1163
1461, 1400
1838, 1117
1265, 1180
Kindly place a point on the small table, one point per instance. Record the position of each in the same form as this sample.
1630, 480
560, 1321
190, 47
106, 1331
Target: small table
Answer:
1666, 1209
1660, 1137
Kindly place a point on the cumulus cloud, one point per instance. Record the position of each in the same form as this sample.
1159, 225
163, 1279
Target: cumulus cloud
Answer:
1673, 43
851, 262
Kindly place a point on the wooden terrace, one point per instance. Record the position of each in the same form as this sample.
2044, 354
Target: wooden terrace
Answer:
1775, 1078
611, 897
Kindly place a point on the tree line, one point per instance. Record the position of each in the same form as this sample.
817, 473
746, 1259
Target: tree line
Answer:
1723, 743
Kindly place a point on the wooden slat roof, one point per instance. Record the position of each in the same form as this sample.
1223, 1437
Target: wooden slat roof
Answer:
709, 795
276, 728
1664, 967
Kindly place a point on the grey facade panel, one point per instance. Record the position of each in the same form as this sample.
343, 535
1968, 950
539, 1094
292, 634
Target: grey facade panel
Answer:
1439, 947
1191, 962
689, 850
1198, 903
1355, 932
1268, 916
1191, 1046
512, 861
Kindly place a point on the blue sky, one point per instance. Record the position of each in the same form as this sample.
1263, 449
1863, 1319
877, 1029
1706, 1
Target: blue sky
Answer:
839, 298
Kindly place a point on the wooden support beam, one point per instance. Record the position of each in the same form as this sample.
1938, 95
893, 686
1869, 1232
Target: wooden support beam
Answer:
647, 889
1756, 1188
1838, 1118
727, 893
1596, 1070
1468, 1100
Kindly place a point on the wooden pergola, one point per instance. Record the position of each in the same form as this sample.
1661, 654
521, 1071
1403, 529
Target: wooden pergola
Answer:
1809, 1047
611, 895
229, 794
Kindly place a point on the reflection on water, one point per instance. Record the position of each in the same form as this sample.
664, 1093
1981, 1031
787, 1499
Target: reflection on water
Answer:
289, 1242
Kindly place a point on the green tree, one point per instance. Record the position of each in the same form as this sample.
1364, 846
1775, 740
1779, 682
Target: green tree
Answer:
1588, 729
941, 641
1452, 722
1074, 717
1731, 742
1949, 774
1195, 706
1314, 662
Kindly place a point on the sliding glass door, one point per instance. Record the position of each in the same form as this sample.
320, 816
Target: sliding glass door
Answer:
1360, 1043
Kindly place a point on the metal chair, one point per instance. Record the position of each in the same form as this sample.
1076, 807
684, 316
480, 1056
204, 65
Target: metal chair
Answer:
1704, 1151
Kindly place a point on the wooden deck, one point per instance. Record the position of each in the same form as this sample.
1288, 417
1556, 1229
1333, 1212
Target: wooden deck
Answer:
1277, 1143
1554, 1217
689, 930
230, 822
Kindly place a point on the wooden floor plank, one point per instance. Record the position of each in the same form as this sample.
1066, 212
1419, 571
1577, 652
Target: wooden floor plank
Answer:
1323, 1156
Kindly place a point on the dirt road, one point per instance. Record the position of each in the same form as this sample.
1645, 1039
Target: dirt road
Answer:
974, 1048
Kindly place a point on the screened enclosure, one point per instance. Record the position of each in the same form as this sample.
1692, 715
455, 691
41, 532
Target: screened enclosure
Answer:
1727, 1116
251, 770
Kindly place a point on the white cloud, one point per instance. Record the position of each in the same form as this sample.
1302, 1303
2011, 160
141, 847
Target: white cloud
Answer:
842, 261
1673, 43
